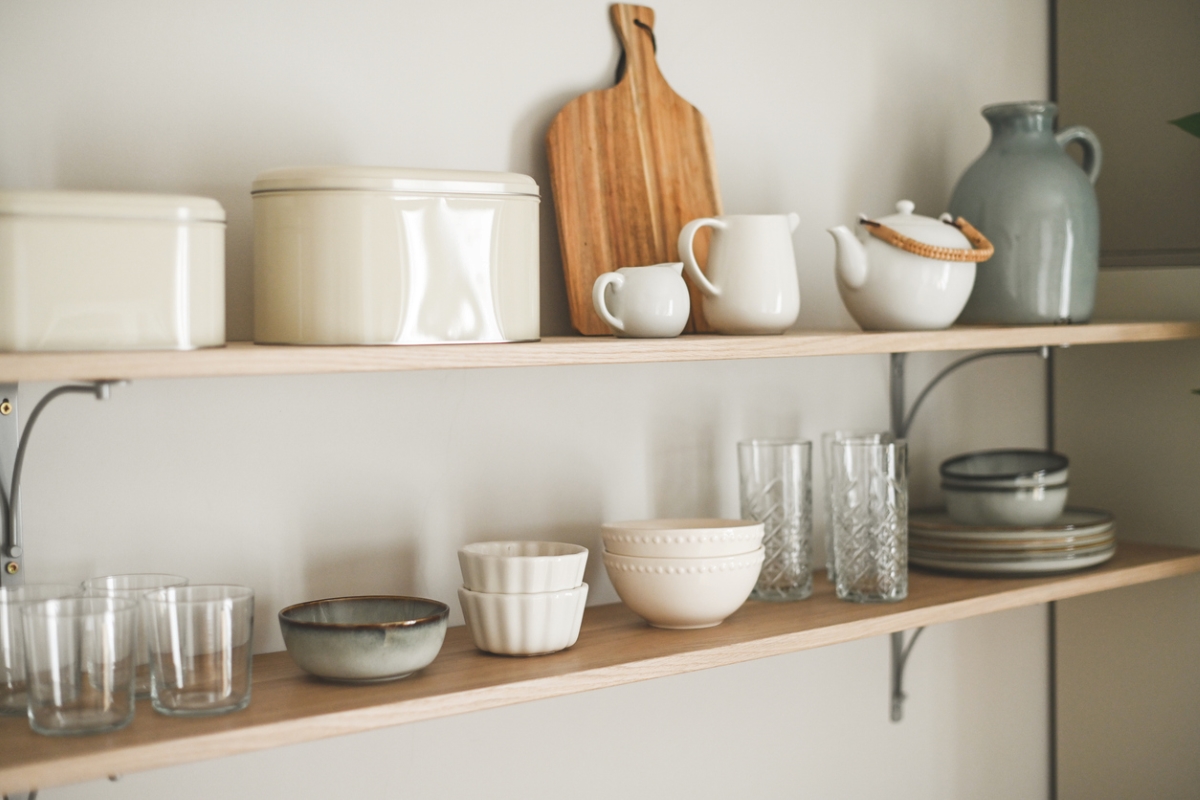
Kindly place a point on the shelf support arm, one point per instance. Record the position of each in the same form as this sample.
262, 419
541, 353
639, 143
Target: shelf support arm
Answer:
900, 654
13, 445
902, 420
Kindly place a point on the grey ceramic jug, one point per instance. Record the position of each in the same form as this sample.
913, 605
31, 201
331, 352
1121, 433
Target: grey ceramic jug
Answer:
1039, 210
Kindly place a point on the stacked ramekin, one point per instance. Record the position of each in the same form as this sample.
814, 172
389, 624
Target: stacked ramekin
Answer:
523, 598
683, 573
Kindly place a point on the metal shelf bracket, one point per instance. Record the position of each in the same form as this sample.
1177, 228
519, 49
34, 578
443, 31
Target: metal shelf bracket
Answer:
900, 654
902, 419
11, 567
13, 444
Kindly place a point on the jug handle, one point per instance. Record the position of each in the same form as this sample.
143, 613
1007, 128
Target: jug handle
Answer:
686, 236
598, 288
1092, 154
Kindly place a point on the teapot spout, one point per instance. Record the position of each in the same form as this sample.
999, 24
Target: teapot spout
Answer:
851, 257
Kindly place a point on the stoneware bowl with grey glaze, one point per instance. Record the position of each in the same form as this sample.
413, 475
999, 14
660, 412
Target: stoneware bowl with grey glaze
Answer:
364, 639
1005, 487
1013, 468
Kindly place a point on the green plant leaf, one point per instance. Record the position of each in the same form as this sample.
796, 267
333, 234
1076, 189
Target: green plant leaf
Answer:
1190, 123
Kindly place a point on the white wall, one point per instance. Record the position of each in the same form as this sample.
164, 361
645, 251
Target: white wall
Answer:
311, 486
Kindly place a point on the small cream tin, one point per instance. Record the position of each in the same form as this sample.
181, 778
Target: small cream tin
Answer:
375, 255
110, 271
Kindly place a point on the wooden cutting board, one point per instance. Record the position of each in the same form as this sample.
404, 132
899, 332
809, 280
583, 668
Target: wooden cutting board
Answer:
629, 167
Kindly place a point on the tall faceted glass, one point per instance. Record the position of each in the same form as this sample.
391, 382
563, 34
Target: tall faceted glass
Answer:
869, 495
776, 490
827, 440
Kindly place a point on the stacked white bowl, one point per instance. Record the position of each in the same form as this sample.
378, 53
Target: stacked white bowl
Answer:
523, 598
683, 573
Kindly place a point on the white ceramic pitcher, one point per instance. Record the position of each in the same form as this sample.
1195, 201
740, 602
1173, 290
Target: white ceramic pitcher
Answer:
645, 302
751, 286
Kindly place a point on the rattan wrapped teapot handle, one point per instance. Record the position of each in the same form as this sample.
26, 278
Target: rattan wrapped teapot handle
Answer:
982, 248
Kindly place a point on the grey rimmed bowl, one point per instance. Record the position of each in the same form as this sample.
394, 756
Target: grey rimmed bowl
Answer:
364, 639
1006, 469
1005, 487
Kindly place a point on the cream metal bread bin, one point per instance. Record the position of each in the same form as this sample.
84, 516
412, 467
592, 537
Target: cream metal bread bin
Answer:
110, 271
373, 255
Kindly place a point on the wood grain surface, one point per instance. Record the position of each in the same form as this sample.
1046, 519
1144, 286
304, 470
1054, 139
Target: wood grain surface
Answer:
629, 166
242, 358
615, 647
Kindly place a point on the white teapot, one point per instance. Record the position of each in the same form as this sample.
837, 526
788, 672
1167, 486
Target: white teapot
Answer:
908, 272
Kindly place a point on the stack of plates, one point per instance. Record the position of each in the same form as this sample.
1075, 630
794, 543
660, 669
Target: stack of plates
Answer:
1080, 538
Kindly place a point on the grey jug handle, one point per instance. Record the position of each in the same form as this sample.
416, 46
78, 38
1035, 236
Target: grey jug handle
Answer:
1092, 154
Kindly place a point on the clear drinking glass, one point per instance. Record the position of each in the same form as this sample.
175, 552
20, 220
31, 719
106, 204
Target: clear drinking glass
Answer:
12, 638
79, 655
200, 648
827, 440
135, 587
870, 519
776, 490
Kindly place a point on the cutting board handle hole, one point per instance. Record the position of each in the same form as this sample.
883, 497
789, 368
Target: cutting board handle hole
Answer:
653, 43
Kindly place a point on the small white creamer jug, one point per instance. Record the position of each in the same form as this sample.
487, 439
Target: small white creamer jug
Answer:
643, 302
751, 285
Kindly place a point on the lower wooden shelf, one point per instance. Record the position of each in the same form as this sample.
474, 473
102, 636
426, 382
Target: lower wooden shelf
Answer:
615, 647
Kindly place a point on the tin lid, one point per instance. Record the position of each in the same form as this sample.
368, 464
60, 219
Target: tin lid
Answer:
110, 205
393, 179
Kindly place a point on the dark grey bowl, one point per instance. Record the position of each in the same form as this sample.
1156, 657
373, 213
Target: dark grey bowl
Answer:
364, 639
1016, 468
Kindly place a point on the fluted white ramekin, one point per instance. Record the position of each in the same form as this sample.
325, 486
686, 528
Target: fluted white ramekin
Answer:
522, 567
524, 624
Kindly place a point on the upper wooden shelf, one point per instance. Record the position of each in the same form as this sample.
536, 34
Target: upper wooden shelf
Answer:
614, 647
242, 358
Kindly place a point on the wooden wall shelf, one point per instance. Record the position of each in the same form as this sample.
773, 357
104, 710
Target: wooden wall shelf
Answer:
242, 358
615, 647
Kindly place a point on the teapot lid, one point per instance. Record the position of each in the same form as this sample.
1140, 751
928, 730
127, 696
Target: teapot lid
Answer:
927, 230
